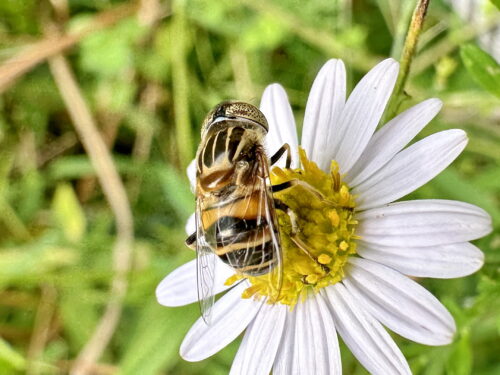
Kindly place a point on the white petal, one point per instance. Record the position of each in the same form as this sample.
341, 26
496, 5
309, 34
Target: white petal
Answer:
324, 106
230, 316
285, 359
261, 341
365, 336
362, 113
426, 222
276, 108
316, 345
442, 262
191, 173
179, 287
410, 169
399, 303
391, 139
190, 226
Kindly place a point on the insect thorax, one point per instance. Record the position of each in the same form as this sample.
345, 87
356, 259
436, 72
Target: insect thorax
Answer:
229, 154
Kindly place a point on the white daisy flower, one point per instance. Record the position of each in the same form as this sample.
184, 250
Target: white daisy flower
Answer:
367, 247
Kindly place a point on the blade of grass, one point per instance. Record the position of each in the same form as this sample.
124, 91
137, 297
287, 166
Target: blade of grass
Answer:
181, 86
404, 16
12, 357
241, 73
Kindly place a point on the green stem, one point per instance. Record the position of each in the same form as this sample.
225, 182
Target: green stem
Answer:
181, 86
410, 46
404, 15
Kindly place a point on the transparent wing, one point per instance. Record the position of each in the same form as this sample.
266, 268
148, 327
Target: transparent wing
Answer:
276, 277
254, 240
242, 230
205, 269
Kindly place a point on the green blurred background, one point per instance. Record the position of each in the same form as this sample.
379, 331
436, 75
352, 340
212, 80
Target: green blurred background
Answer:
149, 71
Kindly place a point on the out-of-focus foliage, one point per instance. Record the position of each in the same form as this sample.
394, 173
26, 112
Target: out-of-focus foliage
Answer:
482, 67
149, 80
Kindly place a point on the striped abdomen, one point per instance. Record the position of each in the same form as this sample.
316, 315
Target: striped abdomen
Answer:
236, 209
240, 234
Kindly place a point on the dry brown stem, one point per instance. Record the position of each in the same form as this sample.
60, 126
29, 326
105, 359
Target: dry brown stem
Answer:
42, 328
116, 196
38, 52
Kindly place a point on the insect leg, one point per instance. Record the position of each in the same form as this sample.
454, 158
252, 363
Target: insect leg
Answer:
191, 241
289, 184
277, 155
280, 205
283, 186
311, 189
294, 236
302, 246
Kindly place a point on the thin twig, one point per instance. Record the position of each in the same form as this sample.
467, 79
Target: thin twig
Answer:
41, 331
58, 146
85, 186
116, 196
149, 12
410, 46
38, 52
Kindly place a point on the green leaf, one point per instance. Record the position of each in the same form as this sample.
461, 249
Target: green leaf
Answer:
111, 51
68, 213
496, 3
266, 33
155, 343
482, 67
10, 356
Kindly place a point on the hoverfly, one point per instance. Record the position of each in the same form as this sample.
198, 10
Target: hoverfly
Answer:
235, 209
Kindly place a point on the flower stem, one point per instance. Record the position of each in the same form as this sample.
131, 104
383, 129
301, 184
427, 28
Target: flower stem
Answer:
410, 46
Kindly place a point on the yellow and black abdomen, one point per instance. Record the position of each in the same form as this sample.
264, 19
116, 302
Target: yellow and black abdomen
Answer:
240, 234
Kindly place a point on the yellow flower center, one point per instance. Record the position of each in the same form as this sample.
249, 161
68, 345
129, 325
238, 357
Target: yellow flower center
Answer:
316, 240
